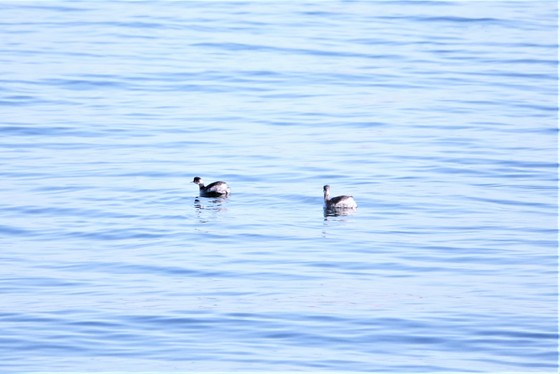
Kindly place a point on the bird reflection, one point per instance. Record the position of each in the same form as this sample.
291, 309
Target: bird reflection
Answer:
209, 204
334, 217
208, 209
337, 212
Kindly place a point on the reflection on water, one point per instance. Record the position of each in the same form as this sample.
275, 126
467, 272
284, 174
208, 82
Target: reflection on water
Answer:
210, 204
336, 212
208, 209
334, 217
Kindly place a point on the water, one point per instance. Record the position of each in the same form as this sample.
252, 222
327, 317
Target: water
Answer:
439, 117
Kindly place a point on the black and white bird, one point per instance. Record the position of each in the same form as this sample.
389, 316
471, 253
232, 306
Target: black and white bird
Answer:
338, 202
216, 189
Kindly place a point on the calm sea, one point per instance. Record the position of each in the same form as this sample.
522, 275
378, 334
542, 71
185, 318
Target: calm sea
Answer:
439, 117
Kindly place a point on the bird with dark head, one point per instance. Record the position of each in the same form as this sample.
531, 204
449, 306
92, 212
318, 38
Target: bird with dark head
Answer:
338, 202
215, 189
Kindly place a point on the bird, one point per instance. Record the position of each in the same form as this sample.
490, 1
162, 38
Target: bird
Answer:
216, 189
338, 202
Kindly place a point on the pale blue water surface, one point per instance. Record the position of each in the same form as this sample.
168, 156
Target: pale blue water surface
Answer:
440, 117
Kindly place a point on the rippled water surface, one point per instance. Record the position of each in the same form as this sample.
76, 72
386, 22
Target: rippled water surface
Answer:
440, 118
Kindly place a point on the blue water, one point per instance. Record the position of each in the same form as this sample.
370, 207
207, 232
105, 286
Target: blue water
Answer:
439, 117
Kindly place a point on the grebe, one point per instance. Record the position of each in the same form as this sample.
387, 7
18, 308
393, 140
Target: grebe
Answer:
216, 189
338, 202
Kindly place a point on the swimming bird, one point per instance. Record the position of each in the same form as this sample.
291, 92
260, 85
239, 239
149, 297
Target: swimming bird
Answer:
216, 189
338, 202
